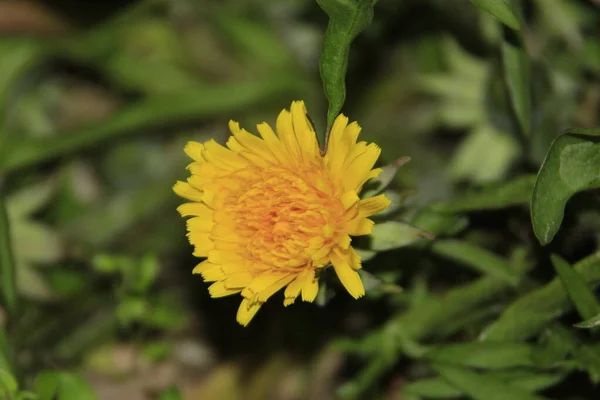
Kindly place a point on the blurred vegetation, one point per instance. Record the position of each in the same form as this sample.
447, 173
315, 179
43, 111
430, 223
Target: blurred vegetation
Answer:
496, 102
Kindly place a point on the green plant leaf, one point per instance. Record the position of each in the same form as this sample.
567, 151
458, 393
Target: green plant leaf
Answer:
26, 201
484, 355
432, 388
477, 258
577, 288
387, 175
8, 283
482, 386
589, 323
530, 313
63, 385
145, 273
521, 378
394, 234
571, 165
515, 192
5, 352
347, 18
501, 9
151, 112
517, 74
8, 384
171, 393
473, 159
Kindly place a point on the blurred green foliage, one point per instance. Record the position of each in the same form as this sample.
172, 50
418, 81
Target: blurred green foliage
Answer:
481, 279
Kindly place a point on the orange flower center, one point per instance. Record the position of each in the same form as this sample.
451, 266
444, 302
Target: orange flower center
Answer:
289, 219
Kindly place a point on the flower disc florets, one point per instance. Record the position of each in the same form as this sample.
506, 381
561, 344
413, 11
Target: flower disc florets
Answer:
270, 212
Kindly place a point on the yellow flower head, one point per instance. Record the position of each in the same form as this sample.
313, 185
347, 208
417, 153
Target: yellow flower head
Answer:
270, 212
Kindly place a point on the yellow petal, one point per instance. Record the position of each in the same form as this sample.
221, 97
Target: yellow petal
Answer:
252, 143
359, 226
336, 149
222, 157
187, 191
358, 170
354, 259
202, 243
238, 280
373, 205
349, 277
272, 141
224, 257
285, 130
247, 311
260, 283
293, 289
218, 289
200, 224
310, 287
306, 136
213, 274
195, 209
269, 291
204, 265
349, 199
194, 151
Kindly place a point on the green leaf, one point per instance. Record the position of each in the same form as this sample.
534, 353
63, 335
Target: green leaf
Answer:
347, 18
5, 353
482, 386
517, 191
26, 201
171, 393
145, 273
577, 288
501, 9
440, 223
531, 312
8, 384
394, 234
473, 160
523, 379
388, 172
432, 388
517, 74
484, 355
589, 323
63, 385
375, 285
145, 114
477, 258
8, 283
571, 165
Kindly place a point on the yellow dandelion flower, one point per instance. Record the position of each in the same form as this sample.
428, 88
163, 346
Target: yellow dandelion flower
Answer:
269, 212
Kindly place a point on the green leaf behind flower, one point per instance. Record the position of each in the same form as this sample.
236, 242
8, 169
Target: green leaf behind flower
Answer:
347, 18
501, 9
571, 165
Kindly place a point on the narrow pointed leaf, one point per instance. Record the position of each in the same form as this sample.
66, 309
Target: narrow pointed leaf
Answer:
347, 18
577, 288
394, 234
515, 192
481, 386
501, 9
145, 114
517, 74
485, 355
477, 258
8, 284
533, 311
589, 323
